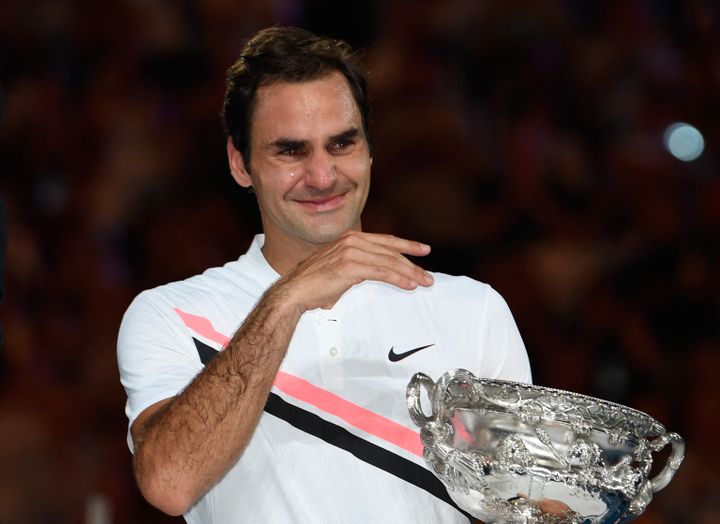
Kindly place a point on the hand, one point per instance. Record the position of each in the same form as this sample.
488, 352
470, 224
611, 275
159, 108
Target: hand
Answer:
320, 280
550, 507
553, 507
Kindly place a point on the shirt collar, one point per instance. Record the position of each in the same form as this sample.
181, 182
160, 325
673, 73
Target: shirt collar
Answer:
255, 257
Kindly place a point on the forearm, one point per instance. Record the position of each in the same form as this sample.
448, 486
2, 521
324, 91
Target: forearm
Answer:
192, 441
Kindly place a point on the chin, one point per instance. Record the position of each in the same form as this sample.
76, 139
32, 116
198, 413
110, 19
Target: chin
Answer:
324, 234
324, 238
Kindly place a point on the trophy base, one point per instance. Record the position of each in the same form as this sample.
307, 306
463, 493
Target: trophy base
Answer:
532, 498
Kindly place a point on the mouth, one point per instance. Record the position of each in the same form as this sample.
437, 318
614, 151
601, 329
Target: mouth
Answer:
318, 205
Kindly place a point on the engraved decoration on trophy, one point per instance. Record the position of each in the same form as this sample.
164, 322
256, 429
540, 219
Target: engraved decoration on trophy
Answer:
513, 452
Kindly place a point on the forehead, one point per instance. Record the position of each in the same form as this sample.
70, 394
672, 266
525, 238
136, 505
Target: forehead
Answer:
303, 110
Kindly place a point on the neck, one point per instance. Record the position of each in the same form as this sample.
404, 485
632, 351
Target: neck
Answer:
283, 254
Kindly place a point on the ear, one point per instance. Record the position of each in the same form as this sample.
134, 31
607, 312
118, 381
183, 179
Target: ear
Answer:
237, 165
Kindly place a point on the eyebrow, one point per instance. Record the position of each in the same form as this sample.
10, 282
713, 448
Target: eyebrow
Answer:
348, 134
288, 143
291, 143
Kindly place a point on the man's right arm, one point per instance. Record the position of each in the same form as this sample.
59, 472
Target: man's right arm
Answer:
185, 444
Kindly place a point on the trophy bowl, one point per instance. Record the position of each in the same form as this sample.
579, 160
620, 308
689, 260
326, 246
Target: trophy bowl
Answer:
513, 452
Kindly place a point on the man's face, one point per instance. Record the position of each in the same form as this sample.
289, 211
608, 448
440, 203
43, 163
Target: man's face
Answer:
310, 160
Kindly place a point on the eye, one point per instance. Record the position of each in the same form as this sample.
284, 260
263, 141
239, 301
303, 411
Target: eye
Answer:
341, 145
292, 152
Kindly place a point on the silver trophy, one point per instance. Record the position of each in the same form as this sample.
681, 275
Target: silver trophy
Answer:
519, 453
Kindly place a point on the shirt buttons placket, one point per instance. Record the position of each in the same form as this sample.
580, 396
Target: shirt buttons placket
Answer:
328, 332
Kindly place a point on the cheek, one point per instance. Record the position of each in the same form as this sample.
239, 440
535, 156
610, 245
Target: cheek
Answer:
358, 167
276, 181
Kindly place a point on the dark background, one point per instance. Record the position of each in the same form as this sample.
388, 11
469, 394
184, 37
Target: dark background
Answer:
522, 140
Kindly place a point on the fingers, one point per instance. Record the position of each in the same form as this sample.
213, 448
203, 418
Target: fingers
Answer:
401, 245
390, 268
381, 249
355, 257
380, 257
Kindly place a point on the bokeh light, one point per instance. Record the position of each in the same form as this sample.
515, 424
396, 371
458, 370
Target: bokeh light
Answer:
683, 141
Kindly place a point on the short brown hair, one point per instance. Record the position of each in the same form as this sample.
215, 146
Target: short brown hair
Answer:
286, 54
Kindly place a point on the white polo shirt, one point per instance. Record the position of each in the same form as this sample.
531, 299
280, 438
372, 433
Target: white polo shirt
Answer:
335, 443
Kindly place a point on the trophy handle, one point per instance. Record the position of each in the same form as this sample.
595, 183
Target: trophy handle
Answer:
652, 486
676, 457
412, 394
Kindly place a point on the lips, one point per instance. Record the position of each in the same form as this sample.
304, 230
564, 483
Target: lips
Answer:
326, 203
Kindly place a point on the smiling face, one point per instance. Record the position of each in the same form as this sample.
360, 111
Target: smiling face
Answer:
309, 165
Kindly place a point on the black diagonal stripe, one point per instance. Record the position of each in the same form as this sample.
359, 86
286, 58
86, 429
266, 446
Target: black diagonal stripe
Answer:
362, 449
206, 353
342, 438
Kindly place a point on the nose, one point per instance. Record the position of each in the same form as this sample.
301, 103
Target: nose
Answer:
320, 170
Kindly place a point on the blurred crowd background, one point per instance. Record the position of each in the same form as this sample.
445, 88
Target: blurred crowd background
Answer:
523, 140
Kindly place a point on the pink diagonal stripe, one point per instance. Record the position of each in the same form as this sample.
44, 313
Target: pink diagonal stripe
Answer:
355, 415
300, 389
202, 326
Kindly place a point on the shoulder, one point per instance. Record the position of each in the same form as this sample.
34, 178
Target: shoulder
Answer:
444, 287
159, 308
231, 279
445, 283
466, 291
460, 297
158, 299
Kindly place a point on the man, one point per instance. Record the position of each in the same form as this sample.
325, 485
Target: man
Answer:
273, 389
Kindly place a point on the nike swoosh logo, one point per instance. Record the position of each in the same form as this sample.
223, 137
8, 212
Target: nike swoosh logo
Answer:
395, 357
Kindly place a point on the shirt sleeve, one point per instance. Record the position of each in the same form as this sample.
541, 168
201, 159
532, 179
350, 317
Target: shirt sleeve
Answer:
156, 356
504, 356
